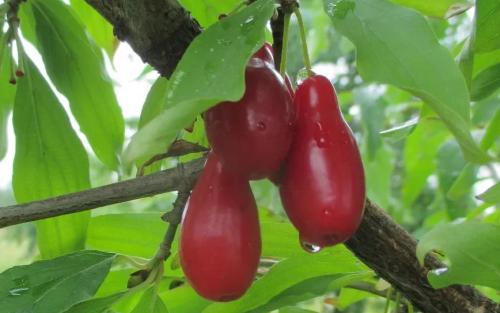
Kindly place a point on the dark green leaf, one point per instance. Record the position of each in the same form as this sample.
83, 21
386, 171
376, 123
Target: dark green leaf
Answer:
211, 71
487, 25
435, 8
98, 28
474, 254
53, 285
77, 70
485, 83
492, 195
396, 46
99, 305
150, 303
49, 161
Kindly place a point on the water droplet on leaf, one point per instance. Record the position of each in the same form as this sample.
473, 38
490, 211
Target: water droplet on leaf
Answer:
310, 248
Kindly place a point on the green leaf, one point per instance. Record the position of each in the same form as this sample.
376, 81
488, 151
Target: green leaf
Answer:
150, 303
372, 118
282, 284
379, 176
292, 309
474, 254
98, 305
492, 195
396, 46
419, 157
155, 101
207, 12
77, 70
487, 25
50, 160
98, 28
7, 93
210, 71
449, 165
350, 296
130, 234
435, 8
399, 132
485, 83
183, 300
53, 285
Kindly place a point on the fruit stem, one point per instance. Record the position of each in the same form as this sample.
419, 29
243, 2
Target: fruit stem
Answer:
20, 55
305, 53
284, 47
388, 301
397, 301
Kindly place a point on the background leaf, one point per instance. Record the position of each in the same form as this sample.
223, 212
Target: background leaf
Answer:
435, 8
492, 195
200, 82
49, 161
61, 40
474, 255
150, 303
6, 97
98, 305
396, 46
485, 83
55, 285
207, 12
487, 25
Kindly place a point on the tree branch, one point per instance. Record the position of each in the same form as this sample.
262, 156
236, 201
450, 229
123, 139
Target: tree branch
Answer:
158, 30
141, 187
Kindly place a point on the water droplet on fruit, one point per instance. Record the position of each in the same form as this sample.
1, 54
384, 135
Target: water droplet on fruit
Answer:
327, 212
310, 248
321, 142
261, 125
210, 187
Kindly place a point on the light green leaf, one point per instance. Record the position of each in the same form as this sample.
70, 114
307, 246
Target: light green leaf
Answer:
150, 303
98, 28
474, 254
155, 101
492, 195
350, 296
98, 305
399, 132
419, 157
7, 93
434, 8
53, 285
49, 161
379, 176
276, 288
210, 71
485, 83
372, 119
292, 309
207, 12
143, 233
487, 25
77, 70
183, 299
396, 46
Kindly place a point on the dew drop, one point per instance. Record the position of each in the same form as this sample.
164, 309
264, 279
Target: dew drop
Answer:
18, 291
327, 212
261, 126
440, 271
309, 247
210, 187
321, 141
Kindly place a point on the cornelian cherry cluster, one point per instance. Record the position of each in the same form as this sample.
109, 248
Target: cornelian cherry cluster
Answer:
302, 143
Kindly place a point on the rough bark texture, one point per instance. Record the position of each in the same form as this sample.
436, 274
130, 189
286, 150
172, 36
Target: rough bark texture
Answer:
158, 30
390, 251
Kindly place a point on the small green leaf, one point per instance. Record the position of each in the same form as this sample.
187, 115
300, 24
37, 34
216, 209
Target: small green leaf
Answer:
276, 288
435, 8
487, 25
350, 296
474, 254
53, 285
396, 45
485, 83
98, 28
150, 303
50, 160
210, 71
399, 132
76, 67
98, 305
155, 101
492, 195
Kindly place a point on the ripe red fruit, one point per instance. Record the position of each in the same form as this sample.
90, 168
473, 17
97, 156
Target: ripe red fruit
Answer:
265, 53
323, 186
253, 136
220, 238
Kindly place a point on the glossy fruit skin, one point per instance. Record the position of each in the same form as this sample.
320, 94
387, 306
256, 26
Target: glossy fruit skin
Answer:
266, 54
220, 242
323, 186
252, 136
